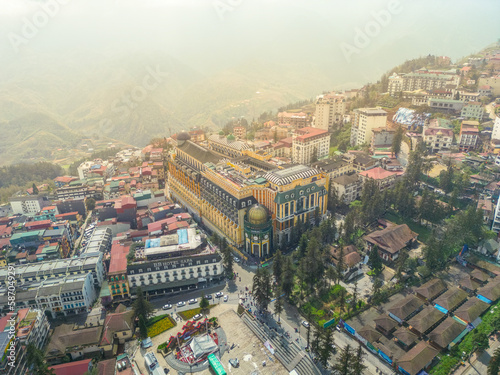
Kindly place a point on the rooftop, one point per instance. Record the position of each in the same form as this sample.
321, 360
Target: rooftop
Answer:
377, 173
289, 175
417, 358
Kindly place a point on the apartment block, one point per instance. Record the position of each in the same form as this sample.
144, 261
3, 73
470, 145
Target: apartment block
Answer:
469, 135
422, 79
330, 111
310, 144
28, 204
473, 111
364, 121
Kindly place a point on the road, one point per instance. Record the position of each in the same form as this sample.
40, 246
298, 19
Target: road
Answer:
290, 319
490, 109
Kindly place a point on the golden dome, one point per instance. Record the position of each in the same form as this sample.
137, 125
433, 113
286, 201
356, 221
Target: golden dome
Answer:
257, 214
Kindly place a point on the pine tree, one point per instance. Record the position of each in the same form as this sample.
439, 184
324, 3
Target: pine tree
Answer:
261, 288
287, 281
143, 329
278, 303
204, 302
357, 365
326, 344
141, 306
374, 260
35, 189
278, 266
344, 362
303, 245
315, 344
340, 264
396, 141
36, 361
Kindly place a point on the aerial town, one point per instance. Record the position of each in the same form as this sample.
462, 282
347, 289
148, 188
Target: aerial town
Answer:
356, 233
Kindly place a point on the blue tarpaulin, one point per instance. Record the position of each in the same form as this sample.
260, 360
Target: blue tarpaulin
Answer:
183, 236
483, 298
153, 242
442, 309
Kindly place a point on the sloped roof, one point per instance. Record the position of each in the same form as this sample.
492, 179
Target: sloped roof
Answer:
479, 275
72, 368
64, 337
405, 336
117, 322
431, 288
426, 319
199, 153
369, 333
386, 322
406, 306
106, 367
418, 357
468, 283
446, 332
491, 290
451, 298
471, 310
392, 239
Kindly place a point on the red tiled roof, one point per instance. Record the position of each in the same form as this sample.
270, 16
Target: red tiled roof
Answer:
48, 208
37, 223
377, 173
64, 179
310, 132
118, 261
434, 131
72, 368
5, 230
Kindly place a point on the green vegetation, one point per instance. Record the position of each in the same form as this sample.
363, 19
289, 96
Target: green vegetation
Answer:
158, 324
472, 342
35, 359
188, 314
24, 173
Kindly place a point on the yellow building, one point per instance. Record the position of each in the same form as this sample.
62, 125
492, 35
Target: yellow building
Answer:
219, 192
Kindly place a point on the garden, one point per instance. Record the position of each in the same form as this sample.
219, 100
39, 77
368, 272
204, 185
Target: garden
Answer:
188, 314
159, 324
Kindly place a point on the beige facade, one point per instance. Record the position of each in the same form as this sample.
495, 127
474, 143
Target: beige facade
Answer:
330, 110
309, 144
365, 120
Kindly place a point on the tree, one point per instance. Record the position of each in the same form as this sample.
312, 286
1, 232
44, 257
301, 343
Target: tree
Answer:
325, 347
35, 189
143, 329
494, 365
261, 288
342, 295
141, 306
328, 230
354, 298
396, 141
204, 303
278, 304
89, 204
287, 281
343, 364
35, 360
350, 226
316, 340
278, 266
357, 365
303, 245
374, 260
481, 341
377, 284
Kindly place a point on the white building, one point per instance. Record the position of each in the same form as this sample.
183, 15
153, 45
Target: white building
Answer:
495, 226
28, 204
365, 120
330, 110
422, 79
496, 129
438, 139
473, 111
310, 144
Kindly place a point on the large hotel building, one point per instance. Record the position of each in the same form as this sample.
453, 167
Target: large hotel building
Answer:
250, 202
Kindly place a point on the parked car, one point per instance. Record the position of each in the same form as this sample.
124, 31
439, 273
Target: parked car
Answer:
166, 370
338, 328
237, 260
167, 306
208, 296
226, 298
192, 301
219, 294
181, 303
197, 317
305, 324
234, 362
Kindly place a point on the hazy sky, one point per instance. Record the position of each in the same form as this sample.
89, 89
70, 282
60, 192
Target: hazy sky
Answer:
357, 39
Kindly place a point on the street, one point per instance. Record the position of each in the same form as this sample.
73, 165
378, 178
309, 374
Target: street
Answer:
290, 318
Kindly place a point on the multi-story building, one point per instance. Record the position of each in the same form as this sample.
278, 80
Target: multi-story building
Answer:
117, 274
59, 295
330, 111
438, 139
79, 191
99, 242
495, 225
469, 136
493, 82
422, 79
496, 128
220, 192
334, 167
384, 179
381, 137
28, 204
310, 144
347, 187
473, 111
226, 146
95, 168
446, 105
71, 205
30, 327
365, 120
37, 272
240, 132
296, 120
174, 263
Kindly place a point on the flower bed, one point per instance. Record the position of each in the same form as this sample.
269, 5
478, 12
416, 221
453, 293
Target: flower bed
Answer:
161, 326
188, 314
